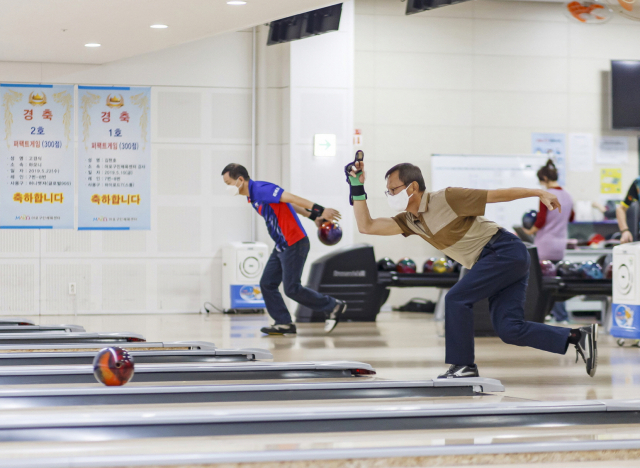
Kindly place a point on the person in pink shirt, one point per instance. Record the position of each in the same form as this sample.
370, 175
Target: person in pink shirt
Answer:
551, 227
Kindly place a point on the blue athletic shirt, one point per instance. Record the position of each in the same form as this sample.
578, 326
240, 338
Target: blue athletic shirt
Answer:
282, 221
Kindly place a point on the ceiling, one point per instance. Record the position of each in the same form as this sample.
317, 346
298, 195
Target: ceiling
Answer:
56, 31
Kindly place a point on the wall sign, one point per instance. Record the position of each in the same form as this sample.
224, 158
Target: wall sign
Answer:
324, 144
36, 156
114, 158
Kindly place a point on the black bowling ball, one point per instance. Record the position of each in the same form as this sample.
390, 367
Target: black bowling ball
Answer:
386, 264
568, 269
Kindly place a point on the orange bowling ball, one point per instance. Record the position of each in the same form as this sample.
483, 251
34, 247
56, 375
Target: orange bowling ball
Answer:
113, 366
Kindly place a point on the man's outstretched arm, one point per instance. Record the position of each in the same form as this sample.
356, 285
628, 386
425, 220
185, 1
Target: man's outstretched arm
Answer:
510, 194
329, 214
377, 226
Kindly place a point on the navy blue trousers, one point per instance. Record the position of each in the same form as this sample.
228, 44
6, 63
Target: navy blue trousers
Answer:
286, 267
501, 274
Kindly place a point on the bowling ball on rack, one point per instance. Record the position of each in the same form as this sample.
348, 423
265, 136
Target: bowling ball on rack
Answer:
113, 366
568, 269
442, 265
406, 265
548, 268
529, 219
330, 233
386, 264
428, 265
591, 270
457, 267
576, 270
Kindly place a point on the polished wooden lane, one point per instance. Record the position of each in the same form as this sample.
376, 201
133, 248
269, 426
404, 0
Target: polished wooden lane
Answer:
400, 346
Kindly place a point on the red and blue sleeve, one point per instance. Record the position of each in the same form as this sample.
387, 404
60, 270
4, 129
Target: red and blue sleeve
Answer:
266, 192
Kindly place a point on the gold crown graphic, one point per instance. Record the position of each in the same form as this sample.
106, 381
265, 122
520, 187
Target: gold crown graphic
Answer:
115, 100
37, 99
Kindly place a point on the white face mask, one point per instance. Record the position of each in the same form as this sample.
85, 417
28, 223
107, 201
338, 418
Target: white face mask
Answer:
233, 190
399, 201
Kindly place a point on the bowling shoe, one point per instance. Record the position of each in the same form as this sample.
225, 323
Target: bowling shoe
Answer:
456, 372
286, 329
335, 315
587, 348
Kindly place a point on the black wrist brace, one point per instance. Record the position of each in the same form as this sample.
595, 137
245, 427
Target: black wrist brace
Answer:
315, 211
356, 191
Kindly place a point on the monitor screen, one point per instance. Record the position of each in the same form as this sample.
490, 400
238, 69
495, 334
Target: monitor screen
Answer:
625, 94
305, 25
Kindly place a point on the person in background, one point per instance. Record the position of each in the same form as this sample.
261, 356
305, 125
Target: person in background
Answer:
551, 227
280, 210
621, 211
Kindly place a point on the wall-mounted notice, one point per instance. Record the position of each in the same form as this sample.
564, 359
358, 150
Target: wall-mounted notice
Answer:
553, 146
581, 152
613, 150
611, 181
36, 156
114, 158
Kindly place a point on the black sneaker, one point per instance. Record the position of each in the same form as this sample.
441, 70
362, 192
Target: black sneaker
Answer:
288, 329
334, 316
587, 347
457, 372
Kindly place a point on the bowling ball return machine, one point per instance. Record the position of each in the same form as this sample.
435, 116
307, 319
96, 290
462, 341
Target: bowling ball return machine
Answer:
625, 308
351, 274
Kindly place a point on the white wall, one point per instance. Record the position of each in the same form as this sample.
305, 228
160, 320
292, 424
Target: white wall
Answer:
306, 87
201, 105
321, 101
478, 77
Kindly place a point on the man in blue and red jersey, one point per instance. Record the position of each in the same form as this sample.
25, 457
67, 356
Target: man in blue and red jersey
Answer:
280, 211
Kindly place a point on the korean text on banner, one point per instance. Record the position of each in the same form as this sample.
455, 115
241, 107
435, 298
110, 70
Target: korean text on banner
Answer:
36, 153
114, 158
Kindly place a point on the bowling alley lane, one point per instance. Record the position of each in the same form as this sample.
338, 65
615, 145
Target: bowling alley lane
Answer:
8, 414
225, 448
400, 346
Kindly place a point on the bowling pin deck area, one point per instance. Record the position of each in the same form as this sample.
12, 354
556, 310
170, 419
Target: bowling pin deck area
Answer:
192, 403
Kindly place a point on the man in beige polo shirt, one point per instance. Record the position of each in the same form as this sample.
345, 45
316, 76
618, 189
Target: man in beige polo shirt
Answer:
452, 221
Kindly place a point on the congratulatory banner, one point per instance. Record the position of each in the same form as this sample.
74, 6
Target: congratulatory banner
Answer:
114, 158
36, 156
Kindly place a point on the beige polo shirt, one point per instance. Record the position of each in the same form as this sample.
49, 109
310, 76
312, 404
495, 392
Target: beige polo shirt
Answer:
452, 221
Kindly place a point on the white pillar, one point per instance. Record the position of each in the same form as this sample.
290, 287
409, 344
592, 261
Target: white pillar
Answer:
321, 101
303, 88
